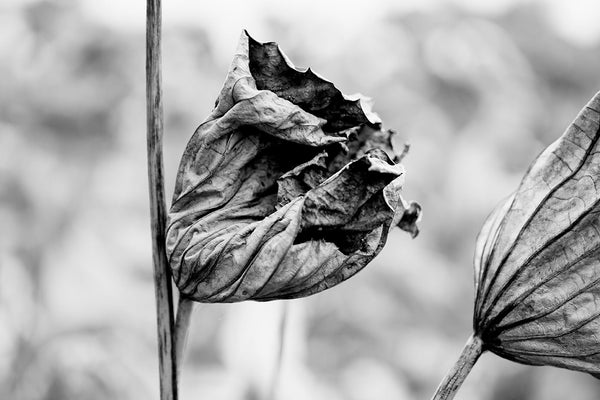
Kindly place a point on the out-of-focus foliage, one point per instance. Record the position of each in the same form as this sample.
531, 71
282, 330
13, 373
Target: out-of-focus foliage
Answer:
476, 97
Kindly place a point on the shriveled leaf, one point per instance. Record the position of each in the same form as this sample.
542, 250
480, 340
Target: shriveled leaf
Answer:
537, 263
288, 188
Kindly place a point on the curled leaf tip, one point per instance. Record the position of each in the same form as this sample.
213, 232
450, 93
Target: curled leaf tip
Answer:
288, 188
537, 258
410, 218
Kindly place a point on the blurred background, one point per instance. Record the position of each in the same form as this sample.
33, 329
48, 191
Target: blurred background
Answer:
477, 88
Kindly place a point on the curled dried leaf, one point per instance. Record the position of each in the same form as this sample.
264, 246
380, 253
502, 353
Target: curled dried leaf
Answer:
537, 263
288, 188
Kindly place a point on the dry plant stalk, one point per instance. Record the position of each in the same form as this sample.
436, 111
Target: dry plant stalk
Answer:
162, 276
537, 278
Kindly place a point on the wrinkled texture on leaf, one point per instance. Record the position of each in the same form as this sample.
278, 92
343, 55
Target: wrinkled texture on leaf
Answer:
288, 187
537, 262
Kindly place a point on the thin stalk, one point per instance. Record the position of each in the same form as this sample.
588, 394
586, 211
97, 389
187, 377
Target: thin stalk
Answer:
162, 276
272, 394
456, 376
182, 328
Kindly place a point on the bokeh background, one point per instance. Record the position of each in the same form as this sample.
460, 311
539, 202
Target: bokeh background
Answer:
478, 88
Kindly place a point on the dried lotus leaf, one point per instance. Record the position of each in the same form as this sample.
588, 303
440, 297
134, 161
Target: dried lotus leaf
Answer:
288, 188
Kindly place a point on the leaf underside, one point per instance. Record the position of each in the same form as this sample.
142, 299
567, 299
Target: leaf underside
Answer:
537, 262
288, 187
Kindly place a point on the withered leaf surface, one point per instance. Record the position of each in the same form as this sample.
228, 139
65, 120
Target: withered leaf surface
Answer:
288, 187
537, 262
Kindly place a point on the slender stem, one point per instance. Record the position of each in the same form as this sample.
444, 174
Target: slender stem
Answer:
162, 276
272, 395
182, 328
456, 376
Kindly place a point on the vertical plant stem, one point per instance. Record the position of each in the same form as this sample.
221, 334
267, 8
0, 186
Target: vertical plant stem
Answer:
272, 395
162, 276
456, 376
182, 328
